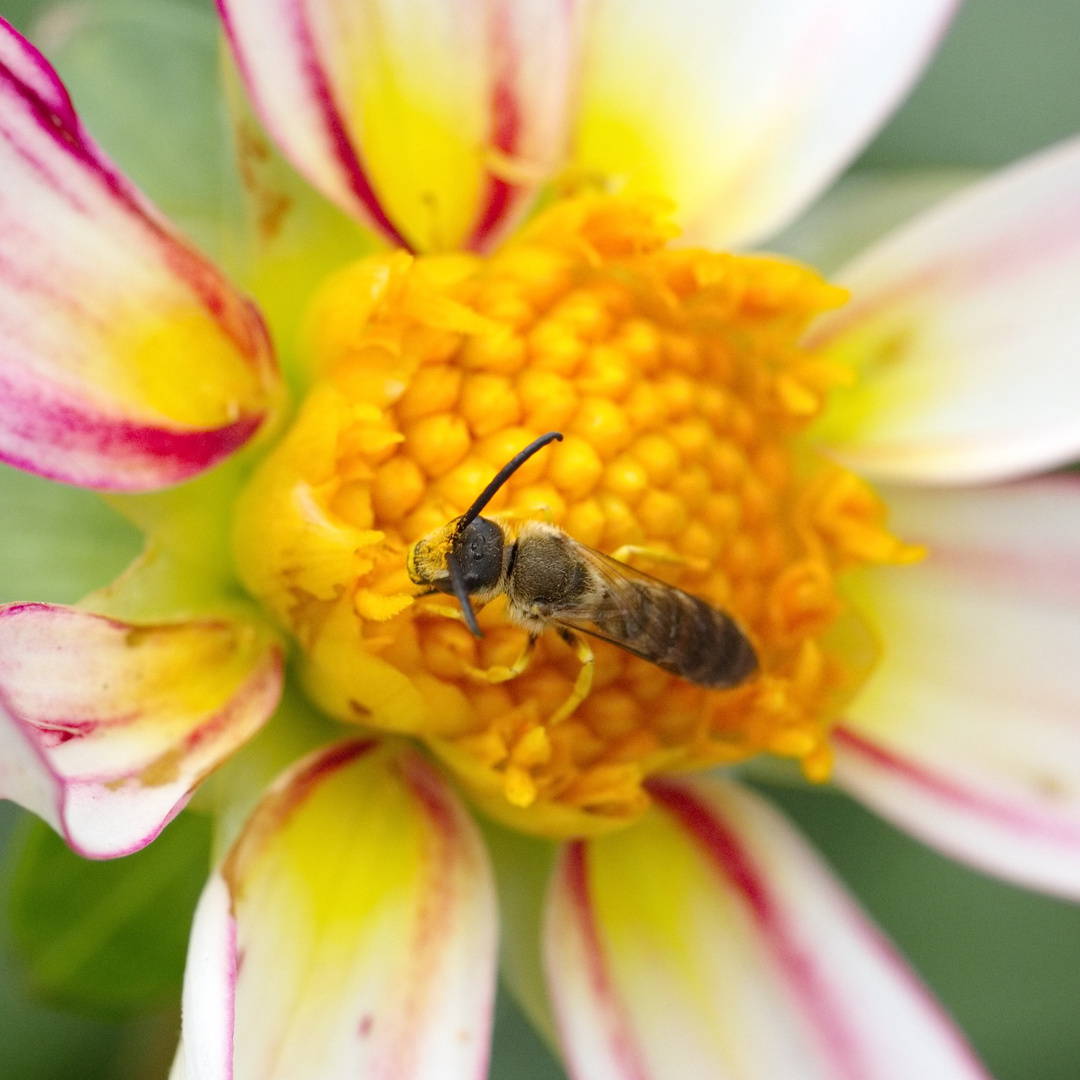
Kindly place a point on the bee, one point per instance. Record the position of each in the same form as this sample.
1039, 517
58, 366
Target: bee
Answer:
551, 580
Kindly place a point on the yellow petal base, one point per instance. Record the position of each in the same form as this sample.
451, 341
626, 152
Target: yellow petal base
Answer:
678, 380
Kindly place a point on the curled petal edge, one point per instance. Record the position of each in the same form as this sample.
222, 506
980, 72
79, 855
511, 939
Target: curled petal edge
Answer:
108, 727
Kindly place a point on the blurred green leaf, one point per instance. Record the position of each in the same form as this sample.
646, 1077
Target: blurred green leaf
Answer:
107, 938
57, 543
1002, 85
523, 866
517, 1051
20, 12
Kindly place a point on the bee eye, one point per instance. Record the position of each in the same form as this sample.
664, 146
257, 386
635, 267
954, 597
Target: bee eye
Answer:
479, 551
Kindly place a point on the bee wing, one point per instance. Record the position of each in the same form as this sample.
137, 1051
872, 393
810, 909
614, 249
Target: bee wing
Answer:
647, 617
622, 602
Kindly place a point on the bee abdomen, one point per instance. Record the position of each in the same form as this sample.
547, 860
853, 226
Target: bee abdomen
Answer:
688, 637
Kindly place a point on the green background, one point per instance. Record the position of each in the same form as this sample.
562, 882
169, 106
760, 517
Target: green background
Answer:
1005, 962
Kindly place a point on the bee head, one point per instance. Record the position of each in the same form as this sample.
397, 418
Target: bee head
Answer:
459, 561
466, 556
478, 549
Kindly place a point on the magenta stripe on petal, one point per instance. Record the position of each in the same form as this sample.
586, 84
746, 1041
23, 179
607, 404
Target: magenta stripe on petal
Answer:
347, 156
366, 928
710, 940
86, 266
428, 121
527, 121
27, 65
96, 733
506, 131
323, 763
51, 107
55, 114
618, 1030
936, 786
43, 434
828, 1016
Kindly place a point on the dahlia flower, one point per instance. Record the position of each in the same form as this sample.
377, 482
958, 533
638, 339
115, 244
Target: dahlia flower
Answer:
557, 203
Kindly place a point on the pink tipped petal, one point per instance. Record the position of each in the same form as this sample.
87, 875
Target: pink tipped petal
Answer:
108, 726
968, 734
742, 111
709, 940
965, 326
127, 362
431, 122
365, 931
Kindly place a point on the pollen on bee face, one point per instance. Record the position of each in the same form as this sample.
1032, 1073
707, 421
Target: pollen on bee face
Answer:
678, 380
426, 559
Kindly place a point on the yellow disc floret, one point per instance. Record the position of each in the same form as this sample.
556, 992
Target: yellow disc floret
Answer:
677, 379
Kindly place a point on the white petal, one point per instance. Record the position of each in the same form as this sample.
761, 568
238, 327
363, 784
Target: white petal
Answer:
743, 111
709, 941
968, 734
106, 727
127, 361
965, 327
365, 931
433, 122
206, 1050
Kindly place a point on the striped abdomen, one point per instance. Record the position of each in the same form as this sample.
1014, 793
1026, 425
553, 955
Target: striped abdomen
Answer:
679, 633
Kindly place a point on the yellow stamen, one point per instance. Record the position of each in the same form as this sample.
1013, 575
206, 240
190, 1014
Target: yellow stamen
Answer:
678, 380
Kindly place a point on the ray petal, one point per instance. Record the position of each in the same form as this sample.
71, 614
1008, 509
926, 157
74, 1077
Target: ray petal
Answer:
709, 940
965, 329
107, 726
351, 931
127, 361
431, 122
743, 112
968, 734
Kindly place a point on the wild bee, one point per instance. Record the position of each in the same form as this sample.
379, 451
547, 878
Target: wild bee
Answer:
549, 579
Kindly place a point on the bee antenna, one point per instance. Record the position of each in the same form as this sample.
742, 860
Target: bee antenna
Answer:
457, 581
501, 477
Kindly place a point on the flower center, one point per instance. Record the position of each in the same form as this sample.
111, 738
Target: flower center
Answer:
677, 379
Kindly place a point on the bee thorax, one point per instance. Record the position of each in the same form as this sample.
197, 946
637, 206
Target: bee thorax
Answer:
546, 576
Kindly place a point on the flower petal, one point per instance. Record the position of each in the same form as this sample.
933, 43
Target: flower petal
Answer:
209, 997
127, 361
106, 727
743, 112
968, 733
708, 940
365, 930
146, 76
433, 122
965, 327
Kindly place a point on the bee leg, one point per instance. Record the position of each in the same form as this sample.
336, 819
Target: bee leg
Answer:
628, 551
500, 673
583, 683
